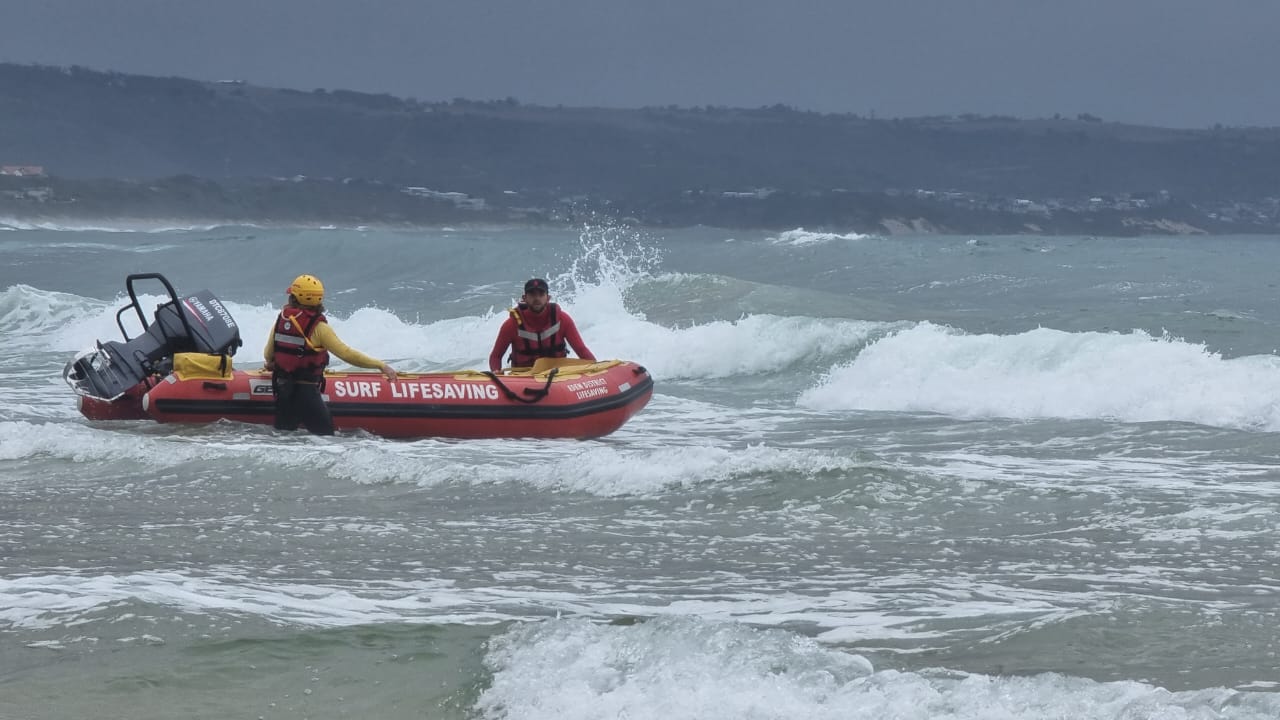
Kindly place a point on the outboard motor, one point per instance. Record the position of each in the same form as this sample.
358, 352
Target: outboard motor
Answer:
192, 323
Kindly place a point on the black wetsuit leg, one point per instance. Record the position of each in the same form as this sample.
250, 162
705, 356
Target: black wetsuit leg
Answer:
286, 416
299, 403
312, 409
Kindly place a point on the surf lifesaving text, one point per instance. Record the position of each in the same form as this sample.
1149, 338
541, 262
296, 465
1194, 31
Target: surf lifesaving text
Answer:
588, 388
414, 390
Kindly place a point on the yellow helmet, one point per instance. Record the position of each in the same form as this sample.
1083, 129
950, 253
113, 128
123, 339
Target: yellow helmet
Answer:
308, 289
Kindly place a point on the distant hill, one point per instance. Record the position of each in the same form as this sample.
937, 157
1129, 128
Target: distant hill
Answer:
80, 123
130, 146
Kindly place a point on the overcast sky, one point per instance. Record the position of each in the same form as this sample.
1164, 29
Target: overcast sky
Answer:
1177, 63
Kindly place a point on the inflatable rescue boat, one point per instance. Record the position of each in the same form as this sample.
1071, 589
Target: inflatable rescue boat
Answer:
558, 400
179, 370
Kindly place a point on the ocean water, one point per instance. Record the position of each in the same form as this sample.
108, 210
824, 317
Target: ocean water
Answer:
906, 477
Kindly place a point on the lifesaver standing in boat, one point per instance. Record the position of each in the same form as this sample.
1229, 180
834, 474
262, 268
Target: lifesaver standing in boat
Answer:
297, 353
536, 328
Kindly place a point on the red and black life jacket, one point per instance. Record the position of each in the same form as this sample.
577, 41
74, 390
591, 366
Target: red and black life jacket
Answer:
293, 353
530, 345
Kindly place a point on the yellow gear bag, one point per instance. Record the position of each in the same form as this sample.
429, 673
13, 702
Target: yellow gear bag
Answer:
201, 366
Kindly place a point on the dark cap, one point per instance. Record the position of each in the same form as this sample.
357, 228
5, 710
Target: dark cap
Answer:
536, 284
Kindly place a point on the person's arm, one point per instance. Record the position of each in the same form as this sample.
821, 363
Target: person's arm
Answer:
323, 336
506, 334
572, 337
269, 352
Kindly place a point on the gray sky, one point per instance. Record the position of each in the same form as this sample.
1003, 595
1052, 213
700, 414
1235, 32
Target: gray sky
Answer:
1177, 63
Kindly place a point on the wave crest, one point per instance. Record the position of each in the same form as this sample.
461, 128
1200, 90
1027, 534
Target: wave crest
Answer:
1043, 373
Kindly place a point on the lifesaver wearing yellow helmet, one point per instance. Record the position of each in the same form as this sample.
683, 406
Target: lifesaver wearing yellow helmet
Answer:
308, 290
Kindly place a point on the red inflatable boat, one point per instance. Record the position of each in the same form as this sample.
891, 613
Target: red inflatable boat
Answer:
178, 369
575, 400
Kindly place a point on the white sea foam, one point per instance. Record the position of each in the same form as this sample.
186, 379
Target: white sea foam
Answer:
608, 263
63, 322
683, 668
676, 665
751, 345
755, 344
603, 470
21, 440
34, 318
43, 601
597, 469
842, 616
800, 236
64, 599
1131, 377
114, 225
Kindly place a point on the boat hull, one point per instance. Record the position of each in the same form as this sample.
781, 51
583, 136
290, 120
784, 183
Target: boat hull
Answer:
573, 402
126, 407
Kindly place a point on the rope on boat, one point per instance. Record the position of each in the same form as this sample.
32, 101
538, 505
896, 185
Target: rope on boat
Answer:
535, 394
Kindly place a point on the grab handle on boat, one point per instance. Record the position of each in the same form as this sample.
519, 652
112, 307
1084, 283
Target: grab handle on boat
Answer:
133, 302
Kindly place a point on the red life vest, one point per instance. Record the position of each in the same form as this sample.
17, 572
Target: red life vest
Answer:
293, 352
531, 345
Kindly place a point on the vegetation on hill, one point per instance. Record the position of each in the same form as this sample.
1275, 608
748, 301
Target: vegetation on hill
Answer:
768, 166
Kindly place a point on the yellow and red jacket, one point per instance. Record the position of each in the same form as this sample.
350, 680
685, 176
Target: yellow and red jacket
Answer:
294, 354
